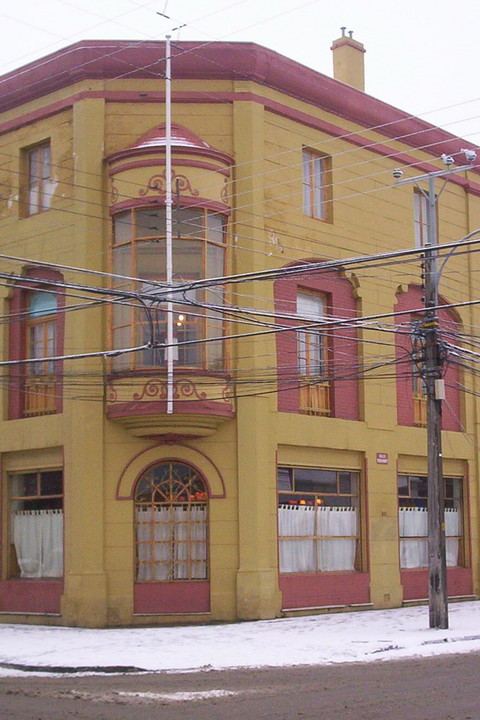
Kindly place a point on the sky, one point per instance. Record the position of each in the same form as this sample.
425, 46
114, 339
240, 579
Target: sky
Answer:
366, 636
421, 57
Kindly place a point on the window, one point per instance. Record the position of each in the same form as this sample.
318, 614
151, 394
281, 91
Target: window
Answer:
36, 524
37, 171
41, 342
198, 252
318, 520
316, 185
312, 356
413, 521
171, 524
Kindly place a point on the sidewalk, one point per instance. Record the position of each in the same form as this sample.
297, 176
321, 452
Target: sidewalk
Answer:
376, 635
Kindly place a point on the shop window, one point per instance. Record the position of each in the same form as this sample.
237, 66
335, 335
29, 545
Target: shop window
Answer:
413, 521
313, 356
318, 520
171, 520
317, 197
36, 524
198, 252
38, 185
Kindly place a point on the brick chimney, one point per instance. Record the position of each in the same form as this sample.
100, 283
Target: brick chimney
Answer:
348, 61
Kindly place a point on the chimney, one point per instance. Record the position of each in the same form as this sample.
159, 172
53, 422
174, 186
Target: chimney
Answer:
348, 62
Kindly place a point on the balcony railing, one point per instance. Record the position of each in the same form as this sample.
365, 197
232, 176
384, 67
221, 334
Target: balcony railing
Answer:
315, 398
40, 395
419, 410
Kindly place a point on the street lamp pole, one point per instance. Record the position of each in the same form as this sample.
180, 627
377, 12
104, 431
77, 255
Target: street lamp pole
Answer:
435, 393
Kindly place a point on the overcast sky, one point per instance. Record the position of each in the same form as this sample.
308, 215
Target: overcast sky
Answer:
422, 55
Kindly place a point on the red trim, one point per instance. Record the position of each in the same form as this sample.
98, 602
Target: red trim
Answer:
31, 596
185, 201
182, 596
415, 582
441, 142
218, 60
156, 162
345, 401
181, 444
309, 590
117, 410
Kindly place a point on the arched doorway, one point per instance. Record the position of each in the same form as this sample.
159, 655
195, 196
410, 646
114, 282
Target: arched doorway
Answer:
171, 540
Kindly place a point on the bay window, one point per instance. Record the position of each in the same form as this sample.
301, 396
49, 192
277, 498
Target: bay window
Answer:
318, 520
413, 521
139, 251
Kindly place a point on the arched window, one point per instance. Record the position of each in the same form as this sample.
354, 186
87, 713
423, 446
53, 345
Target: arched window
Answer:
36, 333
171, 512
139, 250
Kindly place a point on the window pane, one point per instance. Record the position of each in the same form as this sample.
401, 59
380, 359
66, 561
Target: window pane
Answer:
24, 485
321, 481
150, 260
51, 482
122, 228
215, 259
42, 303
187, 260
150, 222
284, 479
215, 227
403, 485
188, 223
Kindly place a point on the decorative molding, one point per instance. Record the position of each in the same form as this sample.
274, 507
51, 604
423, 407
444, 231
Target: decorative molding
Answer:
157, 183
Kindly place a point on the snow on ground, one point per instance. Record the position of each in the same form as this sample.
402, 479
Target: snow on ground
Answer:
317, 639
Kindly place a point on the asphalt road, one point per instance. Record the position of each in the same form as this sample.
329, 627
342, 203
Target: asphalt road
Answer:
443, 688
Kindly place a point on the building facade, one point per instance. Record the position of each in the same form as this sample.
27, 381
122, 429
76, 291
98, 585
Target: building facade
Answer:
291, 474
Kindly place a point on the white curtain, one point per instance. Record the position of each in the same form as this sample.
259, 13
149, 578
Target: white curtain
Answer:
330, 542
165, 537
38, 541
337, 554
413, 524
452, 527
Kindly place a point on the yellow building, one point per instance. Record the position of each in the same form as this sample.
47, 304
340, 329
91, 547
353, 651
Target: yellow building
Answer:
278, 468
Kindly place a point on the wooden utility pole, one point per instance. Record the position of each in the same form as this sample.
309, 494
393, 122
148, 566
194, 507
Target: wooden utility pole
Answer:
435, 392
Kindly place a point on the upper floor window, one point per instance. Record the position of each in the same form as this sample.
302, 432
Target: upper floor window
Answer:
36, 336
312, 355
37, 174
316, 185
420, 222
139, 250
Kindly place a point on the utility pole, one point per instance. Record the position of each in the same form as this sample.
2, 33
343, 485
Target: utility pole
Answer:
435, 393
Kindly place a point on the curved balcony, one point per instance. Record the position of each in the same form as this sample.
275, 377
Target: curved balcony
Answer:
201, 403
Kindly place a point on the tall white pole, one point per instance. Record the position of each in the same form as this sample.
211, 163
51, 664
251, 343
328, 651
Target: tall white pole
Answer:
168, 222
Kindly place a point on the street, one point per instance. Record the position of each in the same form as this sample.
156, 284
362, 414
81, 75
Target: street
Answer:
432, 688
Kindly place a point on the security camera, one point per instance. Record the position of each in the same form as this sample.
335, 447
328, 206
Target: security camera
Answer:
397, 173
447, 159
470, 155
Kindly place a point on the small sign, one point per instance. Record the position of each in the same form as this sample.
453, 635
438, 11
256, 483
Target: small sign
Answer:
382, 458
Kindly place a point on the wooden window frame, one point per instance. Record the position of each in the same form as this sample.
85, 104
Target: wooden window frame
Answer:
314, 386
131, 236
296, 497
317, 185
410, 500
36, 185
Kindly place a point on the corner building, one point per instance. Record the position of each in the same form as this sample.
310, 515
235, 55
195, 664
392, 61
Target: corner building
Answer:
291, 474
